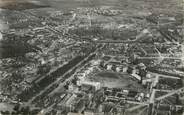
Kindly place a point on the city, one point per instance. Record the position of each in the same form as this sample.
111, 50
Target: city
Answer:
91, 57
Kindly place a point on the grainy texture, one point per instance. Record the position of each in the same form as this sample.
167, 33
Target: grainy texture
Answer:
73, 57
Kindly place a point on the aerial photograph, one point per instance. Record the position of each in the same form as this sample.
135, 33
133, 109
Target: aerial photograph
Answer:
91, 57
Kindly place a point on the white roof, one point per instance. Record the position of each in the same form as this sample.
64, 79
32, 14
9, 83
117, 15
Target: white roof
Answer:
1, 36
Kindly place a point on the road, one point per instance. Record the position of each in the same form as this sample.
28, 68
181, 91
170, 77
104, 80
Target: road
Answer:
162, 57
121, 41
164, 76
178, 91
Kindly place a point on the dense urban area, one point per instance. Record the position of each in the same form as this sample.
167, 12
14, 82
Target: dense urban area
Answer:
91, 57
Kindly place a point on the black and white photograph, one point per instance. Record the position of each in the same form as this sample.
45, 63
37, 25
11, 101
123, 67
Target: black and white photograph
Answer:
91, 57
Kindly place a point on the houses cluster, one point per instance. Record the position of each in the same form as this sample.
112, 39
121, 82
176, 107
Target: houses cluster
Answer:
116, 95
114, 66
80, 80
72, 102
84, 72
107, 12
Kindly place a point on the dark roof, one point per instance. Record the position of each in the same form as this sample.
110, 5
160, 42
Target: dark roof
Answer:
80, 106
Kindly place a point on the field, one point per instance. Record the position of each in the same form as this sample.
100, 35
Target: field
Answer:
116, 80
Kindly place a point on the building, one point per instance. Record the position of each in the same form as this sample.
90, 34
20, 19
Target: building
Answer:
95, 62
136, 76
80, 106
96, 85
69, 103
109, 67
116, 67
124, 69
71, 113
81, 76
1, 36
